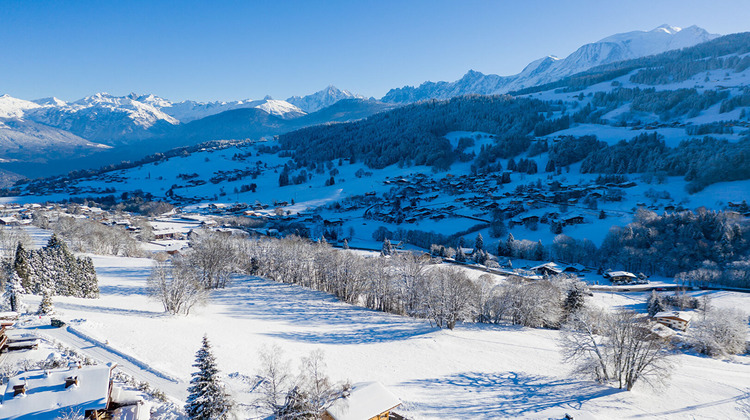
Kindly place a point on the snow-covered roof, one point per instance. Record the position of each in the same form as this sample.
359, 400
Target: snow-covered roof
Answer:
365, 401
47, 397
621, 274
681, 315
140, 411
549, 265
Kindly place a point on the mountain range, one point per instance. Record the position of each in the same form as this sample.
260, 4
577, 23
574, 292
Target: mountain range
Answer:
611, 49
51, 130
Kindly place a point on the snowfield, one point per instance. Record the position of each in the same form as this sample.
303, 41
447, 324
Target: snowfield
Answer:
473, 372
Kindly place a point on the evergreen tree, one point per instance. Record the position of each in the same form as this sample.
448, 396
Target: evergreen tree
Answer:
46, 307
460, 256
14, 290
55, 242
510, 244
655, 304
539, 251
207, 400
21, 264
346, 244
479, 243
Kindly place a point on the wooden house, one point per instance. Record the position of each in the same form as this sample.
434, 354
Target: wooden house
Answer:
677, 320
365, 401
620, 277
547, 269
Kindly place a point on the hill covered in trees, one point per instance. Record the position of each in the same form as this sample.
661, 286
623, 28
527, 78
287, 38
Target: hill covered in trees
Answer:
414, 134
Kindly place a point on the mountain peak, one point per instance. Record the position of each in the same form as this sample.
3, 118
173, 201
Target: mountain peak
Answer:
322, 98
667, 28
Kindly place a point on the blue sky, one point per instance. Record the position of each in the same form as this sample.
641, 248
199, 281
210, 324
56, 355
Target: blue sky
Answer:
224, 50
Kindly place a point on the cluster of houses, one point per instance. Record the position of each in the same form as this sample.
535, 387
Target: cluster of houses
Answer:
412, 198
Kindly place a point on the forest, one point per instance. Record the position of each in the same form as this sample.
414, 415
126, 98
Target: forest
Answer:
414, 133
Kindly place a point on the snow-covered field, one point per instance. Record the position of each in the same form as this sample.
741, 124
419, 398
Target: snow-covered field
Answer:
474, 371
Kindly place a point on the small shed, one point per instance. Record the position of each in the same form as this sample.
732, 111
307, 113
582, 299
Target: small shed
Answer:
365, 401
677, 320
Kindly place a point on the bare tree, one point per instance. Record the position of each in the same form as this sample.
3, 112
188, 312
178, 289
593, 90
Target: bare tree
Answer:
618, 347
305, 396
449, 296
215, 256
176, 285
276, 377
9, 240
720, 332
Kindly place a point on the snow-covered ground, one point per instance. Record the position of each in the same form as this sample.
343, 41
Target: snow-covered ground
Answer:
472, 372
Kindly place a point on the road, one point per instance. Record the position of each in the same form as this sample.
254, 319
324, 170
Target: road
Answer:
172, 387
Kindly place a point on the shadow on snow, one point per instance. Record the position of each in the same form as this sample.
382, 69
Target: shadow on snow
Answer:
339, 323
503, 395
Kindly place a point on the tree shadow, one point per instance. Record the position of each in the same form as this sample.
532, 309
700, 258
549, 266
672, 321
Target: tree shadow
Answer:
322, 318
503, 395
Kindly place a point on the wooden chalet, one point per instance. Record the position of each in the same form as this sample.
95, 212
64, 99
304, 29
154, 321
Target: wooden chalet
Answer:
365, 401
51, 393
677, 320
620, 277
547, 269
574, 220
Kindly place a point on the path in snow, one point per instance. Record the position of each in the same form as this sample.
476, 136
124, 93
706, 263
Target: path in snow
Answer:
100, 352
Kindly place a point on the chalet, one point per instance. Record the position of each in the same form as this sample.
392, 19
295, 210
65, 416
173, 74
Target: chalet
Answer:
9, 221
167, 234
574, 268
530, 219
547, 269
620, 277
677, 320
365, 401
574, 220
51, 393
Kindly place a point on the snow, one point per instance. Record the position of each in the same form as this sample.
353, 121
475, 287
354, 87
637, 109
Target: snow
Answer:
11, 107
473, 372
365, 400
322, 99
681, 315
187, 111
47, 397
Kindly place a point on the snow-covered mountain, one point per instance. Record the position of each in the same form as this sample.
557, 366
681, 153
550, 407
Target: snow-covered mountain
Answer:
322, 99
187, 111
11, 107
29, 141
101, 117
548, 69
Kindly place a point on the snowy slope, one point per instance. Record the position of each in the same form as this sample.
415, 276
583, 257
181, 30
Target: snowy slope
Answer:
27, 140
473, 372
614, 48
11, 107
322, 99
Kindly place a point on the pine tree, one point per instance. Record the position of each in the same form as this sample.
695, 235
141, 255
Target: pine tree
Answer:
207, 400
346, 244
479, 243
21, 264
46, 307
510, 244
55, 242
460, 256
14, 291
539, 251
